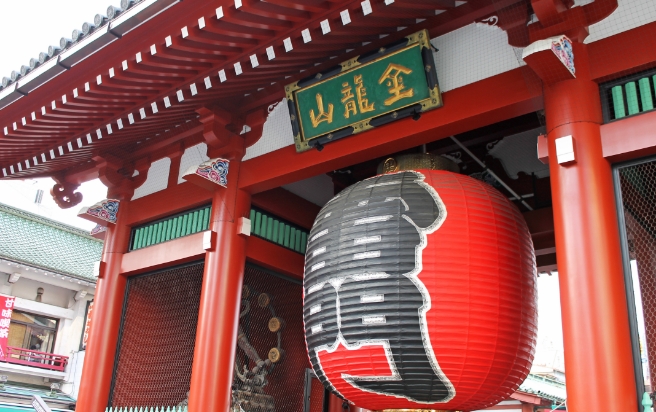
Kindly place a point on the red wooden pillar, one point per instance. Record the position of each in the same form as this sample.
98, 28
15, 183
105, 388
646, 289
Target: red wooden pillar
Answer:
107, 309
598, 360
218, 317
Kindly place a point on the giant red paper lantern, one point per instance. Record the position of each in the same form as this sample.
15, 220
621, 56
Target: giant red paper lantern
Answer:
420, 293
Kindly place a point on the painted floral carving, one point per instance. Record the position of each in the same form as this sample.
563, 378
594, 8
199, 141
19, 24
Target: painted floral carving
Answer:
562, 48
105, 210
215, 170
98, 229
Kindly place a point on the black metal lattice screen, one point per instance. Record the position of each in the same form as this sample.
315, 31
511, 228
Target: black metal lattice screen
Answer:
271, 358
637, 189
158, 333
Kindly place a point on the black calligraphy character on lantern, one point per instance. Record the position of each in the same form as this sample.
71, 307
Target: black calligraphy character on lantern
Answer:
361, 285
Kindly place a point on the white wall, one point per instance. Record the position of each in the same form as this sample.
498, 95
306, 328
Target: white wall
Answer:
473, 53
628, 15
74, 376
53, 295
157, 179
57, 302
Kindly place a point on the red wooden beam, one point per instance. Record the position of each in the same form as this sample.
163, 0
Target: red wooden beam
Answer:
623, 53
629, 138
288, 206
174, 252
482, 103
190, 248
528, 398
274, 257
615, 145
167, 202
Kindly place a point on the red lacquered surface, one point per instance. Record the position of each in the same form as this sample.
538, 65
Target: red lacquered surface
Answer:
29, 357
108, 307
596, 333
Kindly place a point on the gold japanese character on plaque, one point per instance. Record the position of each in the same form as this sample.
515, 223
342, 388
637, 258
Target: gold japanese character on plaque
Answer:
393, 79
349, 100
361, 92
323, 116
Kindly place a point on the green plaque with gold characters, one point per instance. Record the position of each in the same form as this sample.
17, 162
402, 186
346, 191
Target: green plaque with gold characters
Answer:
370, 90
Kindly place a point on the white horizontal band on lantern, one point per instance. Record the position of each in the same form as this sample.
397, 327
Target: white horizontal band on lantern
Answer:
315, 288
319, 251
389, 199
315, 309
318, 266
318, 235
369, 276
316, 329
372, 320
394, 182
365, 240
372, 219
366, 255
372, 298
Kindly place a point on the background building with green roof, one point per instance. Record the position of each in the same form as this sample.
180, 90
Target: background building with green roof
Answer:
49, 268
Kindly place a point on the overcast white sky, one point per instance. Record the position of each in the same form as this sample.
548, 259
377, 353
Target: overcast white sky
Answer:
27, 28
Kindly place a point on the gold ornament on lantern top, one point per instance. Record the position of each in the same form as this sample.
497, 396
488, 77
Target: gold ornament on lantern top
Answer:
417, 161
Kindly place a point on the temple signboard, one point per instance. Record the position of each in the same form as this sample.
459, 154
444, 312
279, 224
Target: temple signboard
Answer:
370, 90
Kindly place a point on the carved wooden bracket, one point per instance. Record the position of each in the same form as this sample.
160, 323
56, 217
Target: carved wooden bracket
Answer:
550, 12
216, 127
63, 192
225, 134
120, 178
555, 17
254, 121
558, 17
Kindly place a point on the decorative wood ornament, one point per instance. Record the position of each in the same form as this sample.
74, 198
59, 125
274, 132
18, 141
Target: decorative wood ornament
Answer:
263, 300
276, 355
420, 293
98, 232
276, 324
245, 292
552, 59
64, 194
209, 174
102, 212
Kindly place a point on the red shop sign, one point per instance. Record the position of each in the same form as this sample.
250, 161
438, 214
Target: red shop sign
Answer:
87, 325
6, 307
